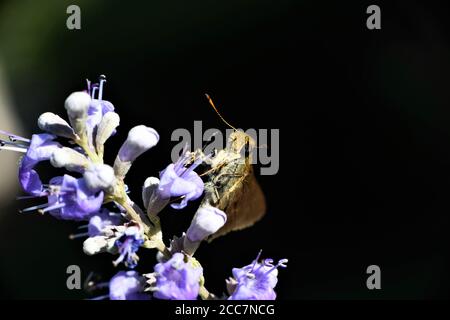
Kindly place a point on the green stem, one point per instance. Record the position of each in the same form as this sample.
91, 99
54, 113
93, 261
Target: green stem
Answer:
83, 143
134, 215
139, 216
163, 249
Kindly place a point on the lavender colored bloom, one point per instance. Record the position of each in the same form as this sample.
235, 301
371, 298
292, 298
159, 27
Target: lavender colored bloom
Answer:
180, 180
41, 148
97, 109
127, 285
71, 199
256, 281
128, 244
99, 221
177, 279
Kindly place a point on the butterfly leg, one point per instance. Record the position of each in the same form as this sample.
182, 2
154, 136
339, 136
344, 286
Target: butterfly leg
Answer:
216, 192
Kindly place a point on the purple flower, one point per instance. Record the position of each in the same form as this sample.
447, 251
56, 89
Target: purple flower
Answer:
96, 111
71, 199
180, 180
128, 244
127, 285
256, 281
99, 221
177, 279
41, 148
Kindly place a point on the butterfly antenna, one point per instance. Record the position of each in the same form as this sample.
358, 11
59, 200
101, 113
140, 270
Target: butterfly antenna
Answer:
218, 113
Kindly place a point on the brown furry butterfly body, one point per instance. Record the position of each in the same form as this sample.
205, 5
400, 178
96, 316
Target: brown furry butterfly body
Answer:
232, 186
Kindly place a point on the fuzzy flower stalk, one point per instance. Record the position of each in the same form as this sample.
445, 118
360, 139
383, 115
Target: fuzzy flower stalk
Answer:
94, 193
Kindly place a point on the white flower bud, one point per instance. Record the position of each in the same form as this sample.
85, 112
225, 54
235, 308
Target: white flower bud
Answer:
150, 185
207, 220
56, 125
152, 199
69, 159
139, 140
106, 127
95, 245
77, 105
100, 177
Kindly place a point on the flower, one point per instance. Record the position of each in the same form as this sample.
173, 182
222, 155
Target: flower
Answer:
70, 199
177, 279
180, 180
139, 140
69, 159
41, 148
97, 110
101, 120
255, 281
105, 129
128, 244
54, 124
100, 177
206, 221
153, 202
99, 221
127, 285
77, 105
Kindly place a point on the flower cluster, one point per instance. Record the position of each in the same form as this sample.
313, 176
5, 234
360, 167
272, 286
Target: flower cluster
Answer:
95, 192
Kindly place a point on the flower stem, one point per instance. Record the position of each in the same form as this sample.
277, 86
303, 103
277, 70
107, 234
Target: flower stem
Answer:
139, 216
83, 143
134, 215
163, 249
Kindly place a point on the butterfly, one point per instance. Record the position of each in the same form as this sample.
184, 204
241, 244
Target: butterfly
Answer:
232, 186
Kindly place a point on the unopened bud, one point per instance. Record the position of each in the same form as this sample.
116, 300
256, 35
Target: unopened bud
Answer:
56, 125
70, 159
100, 177
77, 105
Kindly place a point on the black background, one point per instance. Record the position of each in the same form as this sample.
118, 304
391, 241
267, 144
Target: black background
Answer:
364, 126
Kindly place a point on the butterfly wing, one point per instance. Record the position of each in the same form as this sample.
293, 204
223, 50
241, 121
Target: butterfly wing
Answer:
241, 199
